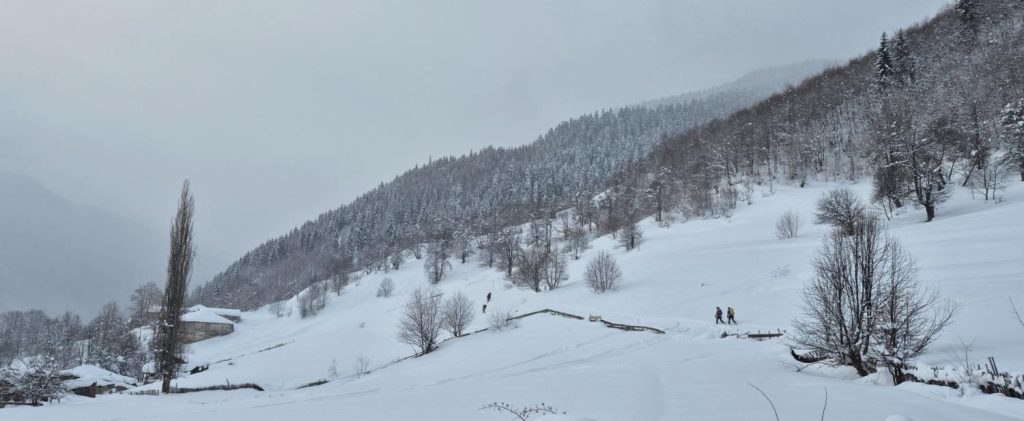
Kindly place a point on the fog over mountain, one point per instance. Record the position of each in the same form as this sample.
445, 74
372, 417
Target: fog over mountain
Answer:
279, 111
56, 255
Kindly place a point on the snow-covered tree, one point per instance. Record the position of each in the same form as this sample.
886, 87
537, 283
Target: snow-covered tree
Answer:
1012, 123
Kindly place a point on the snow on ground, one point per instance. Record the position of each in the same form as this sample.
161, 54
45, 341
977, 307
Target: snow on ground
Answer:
85, 375
972, 251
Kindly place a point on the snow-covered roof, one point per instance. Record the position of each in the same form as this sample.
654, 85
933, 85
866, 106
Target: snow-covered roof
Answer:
227, 312
86, 375
204, 315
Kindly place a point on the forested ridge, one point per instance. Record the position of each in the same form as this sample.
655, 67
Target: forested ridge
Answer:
475, 194
935, 104
925, 110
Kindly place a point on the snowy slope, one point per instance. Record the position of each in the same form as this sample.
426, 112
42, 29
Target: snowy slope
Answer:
972, 251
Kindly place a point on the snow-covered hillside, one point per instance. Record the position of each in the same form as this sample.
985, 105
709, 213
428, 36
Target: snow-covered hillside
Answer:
972, 251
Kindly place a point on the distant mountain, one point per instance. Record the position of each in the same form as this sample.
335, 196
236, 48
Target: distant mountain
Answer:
56, 255
453, 199
757, 84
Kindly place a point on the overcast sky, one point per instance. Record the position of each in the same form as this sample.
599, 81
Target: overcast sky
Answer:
279, 110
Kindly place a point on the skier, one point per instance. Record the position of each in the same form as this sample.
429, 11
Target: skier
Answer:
488, 297
485, 308
718, 316
732, 316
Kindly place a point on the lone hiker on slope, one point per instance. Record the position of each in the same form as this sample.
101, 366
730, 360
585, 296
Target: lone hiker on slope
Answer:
718, 316
732, 316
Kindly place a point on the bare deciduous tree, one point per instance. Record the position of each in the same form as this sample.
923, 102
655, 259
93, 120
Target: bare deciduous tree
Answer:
499, 319
436, 264
840, 208
557, 271
910, 316
421, 321
576, 240
864, 306
457, 313
276, 308
313, 300
145, 299
788, 225
338, 282
168, 343
603, 273
630, 235
386, 287
530, 267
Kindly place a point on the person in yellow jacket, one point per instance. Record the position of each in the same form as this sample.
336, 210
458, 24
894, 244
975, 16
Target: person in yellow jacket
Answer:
732, 316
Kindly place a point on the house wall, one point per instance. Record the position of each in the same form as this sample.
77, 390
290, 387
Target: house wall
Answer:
197, 331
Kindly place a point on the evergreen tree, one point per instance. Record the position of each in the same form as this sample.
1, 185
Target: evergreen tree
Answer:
1012, 123
883, 65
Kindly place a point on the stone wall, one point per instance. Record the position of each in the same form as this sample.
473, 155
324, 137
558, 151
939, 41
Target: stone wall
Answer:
197, 331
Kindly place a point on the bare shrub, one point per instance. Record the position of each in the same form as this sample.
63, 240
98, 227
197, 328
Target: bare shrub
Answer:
313, 300
576, 240
332, 370
499, 319
362, 366
421, 321
990, 177
603, 273
842, 209
457, 313
522, 414
338, 283
967, 376
557, 271
788, 225
386, 287
276, 308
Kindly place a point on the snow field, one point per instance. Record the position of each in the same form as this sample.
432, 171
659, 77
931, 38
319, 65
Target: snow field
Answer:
972, 251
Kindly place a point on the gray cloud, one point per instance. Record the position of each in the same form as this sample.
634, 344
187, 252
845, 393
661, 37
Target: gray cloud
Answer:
280, 110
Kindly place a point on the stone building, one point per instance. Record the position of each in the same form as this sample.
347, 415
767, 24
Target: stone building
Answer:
231, 314
204, 324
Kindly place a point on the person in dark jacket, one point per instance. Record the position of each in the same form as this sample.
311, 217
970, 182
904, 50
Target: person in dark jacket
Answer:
718, 316
488, 297
732, 316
